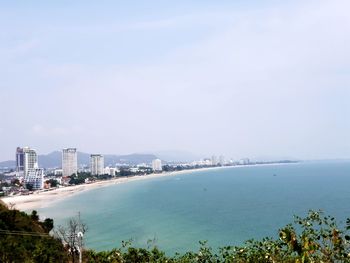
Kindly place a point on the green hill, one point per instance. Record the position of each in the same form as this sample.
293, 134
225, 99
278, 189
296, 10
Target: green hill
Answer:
23, 238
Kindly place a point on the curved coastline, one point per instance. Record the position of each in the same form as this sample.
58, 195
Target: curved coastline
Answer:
47, 198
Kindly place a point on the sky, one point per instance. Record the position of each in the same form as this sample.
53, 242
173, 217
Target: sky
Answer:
258, 79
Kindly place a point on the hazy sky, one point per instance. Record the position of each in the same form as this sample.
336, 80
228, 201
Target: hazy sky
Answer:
240, 78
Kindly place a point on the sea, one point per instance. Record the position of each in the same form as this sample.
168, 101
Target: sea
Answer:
223, 206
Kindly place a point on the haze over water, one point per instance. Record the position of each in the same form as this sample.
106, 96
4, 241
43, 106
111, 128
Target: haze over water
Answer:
224, 206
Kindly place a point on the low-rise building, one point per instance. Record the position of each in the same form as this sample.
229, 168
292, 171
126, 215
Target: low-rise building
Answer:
110, 170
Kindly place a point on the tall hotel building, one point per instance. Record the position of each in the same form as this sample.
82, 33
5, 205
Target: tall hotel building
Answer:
19, 160
157, 165
26, 159
69, 162
97, 164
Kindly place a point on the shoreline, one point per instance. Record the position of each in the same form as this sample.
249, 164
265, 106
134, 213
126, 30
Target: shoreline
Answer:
39, 200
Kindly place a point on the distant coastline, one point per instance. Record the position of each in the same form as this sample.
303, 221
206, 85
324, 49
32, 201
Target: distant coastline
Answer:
47, 198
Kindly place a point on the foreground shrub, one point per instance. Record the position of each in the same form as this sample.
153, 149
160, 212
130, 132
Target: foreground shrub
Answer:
315, 238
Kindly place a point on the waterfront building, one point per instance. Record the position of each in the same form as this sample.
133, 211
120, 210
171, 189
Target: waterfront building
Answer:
202, 162
97, 164
214, 160
30, 159
244, 161
19, 160
69, 161
58, 172
222, 160
84, 168
157, 165
35, 178
207, 162
110, 170
26, 159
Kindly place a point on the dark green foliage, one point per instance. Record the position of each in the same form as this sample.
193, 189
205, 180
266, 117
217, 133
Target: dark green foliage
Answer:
104, 177
47, 224
34, 216
52, 182
24, 239
29, 187
79, 179
130, 255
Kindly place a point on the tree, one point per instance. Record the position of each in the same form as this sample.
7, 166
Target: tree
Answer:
72, 236
16, 182
52, 182
23, 239
34, 215
48, 224
29, 187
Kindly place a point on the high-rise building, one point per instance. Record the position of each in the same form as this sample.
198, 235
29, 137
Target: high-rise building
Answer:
244, 161
97, 164
19, 160
69, 162
26, 159
214, 160
222, 160
157, 165
30, 159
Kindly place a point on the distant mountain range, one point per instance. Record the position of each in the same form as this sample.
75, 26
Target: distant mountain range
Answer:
54, 159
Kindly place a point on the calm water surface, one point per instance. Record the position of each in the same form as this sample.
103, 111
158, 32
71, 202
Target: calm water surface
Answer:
225, 206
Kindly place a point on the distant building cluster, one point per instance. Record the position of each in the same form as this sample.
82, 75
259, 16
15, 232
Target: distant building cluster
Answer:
32, 177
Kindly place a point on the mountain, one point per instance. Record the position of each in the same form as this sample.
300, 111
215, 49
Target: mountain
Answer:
54, 159
50, 160
9, 164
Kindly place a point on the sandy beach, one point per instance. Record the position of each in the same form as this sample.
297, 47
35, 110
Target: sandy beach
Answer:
43, 199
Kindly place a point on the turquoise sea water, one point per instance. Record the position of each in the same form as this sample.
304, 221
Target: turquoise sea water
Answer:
224, 206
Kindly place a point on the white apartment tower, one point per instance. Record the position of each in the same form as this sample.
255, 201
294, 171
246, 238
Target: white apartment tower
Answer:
69, 162
157, 165
214, 160
97, 164
222, 160
26, 159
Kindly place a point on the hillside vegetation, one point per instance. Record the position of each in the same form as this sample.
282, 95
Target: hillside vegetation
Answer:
23, 238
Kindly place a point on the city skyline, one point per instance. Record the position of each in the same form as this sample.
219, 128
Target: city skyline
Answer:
69, 156
240, 79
